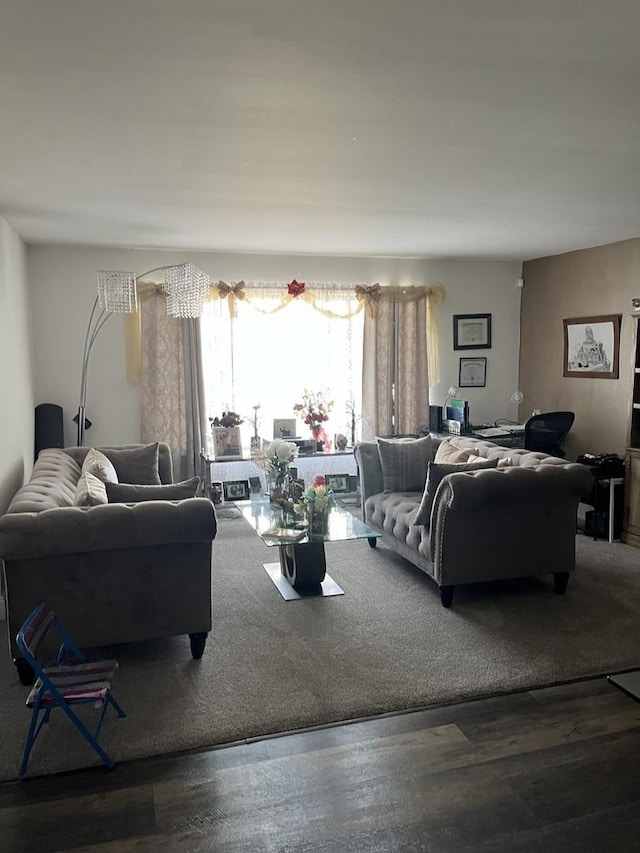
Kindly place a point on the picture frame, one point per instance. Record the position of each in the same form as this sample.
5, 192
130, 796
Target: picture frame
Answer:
473, 372
227, 443
236, 490
471, 331
285, 428
337, 482
592, 347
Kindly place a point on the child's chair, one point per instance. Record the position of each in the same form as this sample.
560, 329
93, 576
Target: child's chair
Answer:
69, 682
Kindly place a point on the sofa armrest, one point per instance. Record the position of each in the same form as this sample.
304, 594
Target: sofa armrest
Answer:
66, 530
367, 459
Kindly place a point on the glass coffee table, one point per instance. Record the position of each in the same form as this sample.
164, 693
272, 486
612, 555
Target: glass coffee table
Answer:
302, 569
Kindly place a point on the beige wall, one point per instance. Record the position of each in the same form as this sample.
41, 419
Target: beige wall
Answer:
16, 371
590, 282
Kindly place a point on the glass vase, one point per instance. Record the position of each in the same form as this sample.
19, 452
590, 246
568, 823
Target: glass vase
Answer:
317, 520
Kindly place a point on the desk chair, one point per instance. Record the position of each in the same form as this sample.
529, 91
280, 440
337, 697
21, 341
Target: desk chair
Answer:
65, 684
547, 432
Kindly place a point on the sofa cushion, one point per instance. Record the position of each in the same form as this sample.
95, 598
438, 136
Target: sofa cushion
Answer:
129, 493
137, 465
435, 474
449, 453
96, 463
90, 491
404, 462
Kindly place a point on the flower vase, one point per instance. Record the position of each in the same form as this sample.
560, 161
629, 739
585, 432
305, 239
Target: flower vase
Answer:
317, 520
323, 445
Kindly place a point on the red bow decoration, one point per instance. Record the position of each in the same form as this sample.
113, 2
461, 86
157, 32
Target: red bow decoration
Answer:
295, 288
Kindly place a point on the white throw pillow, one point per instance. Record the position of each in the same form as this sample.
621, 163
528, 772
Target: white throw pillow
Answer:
96, 463
449, 453
90, 491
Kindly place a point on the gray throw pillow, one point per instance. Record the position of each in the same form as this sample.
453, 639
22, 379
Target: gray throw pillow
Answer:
436, 472
129, 493
137, 465
404, 462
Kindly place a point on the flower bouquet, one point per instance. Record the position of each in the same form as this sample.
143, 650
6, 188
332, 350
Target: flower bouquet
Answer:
316, 503
314, 411
276, 460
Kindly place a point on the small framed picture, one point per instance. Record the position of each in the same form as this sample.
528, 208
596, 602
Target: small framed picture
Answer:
337, 482
227, 443
284, 427
236, 490
592, 347
472, 331
473, 373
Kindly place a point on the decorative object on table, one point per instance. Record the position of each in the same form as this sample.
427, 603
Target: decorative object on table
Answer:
284, 427
186, 288
592, 347
236, 490
316, 503
473, 373
216, 493
340, 441
337, 482
225, 431
353, 418
314, 411
254, 420
276, 461
472, 331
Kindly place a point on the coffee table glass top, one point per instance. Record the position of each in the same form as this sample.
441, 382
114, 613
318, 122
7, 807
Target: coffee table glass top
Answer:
263, 515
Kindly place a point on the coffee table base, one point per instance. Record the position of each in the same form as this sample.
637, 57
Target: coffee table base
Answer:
327, 587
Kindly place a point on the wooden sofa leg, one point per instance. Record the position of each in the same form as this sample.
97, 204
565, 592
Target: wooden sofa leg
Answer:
560, 581
25, 672
446, 595
198, 642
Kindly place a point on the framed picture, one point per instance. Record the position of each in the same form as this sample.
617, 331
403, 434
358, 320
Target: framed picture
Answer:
284, 427
236, 490
337, 482
472, 331
592, 347
473, 373
227, 443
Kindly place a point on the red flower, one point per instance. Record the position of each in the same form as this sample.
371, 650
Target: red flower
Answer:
295, 288
319, 480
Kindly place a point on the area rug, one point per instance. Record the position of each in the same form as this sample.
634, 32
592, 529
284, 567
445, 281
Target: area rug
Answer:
386, 645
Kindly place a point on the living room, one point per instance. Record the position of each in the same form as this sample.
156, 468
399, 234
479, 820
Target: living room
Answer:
534, 224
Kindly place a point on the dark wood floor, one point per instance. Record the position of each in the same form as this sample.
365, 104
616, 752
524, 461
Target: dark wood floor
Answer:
551, 770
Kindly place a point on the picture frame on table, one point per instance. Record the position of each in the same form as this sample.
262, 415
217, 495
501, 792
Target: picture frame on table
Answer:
471, 331
337, 482
473, 372
227, 443
236, 490
284, 428
592, 347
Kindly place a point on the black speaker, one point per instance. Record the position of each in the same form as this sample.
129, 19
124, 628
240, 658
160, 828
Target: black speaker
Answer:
49, 427
435, 418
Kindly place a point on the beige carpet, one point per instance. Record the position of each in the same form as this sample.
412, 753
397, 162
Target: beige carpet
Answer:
386, 645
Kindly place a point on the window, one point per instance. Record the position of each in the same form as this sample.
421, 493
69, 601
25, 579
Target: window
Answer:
268, 355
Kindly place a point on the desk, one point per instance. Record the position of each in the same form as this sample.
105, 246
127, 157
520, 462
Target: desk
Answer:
502, 438
340, 462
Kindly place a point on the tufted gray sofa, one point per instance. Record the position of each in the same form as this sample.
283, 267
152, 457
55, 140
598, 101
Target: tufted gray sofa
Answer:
507, 522
114, 573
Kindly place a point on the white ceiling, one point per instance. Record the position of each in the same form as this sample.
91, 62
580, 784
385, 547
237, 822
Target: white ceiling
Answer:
439, 128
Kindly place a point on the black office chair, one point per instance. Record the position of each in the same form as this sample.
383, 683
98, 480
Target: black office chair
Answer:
547, 432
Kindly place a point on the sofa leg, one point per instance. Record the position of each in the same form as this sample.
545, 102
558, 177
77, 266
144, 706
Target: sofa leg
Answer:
560, 581
446, 595
372, 541
25, 672
198, 642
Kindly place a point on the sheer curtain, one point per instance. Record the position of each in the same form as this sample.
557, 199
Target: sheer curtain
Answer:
171, 384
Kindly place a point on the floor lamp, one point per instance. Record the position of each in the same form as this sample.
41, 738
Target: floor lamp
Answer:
186, 288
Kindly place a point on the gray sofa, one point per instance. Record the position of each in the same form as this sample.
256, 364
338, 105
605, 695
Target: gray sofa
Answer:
515, 520
115, 572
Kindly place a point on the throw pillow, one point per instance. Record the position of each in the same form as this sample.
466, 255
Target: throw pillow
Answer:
138, 465
404, 462
96, 463
90, 491
435, 474
448, 452
130, 493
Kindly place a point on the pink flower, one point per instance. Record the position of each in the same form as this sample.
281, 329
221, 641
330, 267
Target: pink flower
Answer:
319, 480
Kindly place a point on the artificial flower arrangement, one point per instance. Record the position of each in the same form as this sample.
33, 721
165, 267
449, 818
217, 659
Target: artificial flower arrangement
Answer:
314, 408
278, 455
228, 419
318, 497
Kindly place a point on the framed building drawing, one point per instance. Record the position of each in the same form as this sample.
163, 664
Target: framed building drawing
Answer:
472, 331
592, 347
473, 372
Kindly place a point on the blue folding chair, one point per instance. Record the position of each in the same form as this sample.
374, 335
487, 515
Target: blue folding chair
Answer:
73, 681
